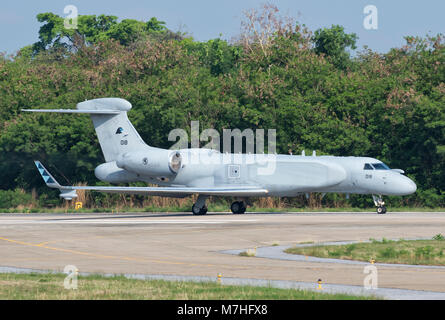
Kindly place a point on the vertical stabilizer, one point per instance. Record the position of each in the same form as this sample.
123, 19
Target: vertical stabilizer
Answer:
115, 132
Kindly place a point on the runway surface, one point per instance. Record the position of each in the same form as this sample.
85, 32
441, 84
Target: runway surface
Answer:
181, 244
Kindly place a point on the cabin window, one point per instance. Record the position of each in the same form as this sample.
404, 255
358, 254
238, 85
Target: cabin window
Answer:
368, 167
380, 166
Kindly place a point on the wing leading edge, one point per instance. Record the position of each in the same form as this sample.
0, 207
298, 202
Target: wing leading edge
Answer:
69, 192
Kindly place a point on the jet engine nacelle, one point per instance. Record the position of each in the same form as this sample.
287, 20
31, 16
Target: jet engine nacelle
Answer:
109, 172
154, 163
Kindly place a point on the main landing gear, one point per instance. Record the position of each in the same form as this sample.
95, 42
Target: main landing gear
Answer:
238, 207
200, 208
380, 204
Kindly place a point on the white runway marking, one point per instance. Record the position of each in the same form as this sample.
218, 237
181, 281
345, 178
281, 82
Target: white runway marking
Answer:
120, 221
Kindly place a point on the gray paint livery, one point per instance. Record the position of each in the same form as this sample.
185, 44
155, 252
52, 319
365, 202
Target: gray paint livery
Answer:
206, 172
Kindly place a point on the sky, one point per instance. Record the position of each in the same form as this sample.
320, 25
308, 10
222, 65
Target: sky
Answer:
209, 19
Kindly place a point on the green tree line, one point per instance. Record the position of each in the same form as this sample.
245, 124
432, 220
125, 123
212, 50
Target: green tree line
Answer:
276, 74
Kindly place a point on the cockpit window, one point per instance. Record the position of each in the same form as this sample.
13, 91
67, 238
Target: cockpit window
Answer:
368, 167
380, 166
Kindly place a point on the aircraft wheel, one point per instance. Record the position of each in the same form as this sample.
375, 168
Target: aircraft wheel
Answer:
197, 211
243, 208
238, 207
381, 210
235, 207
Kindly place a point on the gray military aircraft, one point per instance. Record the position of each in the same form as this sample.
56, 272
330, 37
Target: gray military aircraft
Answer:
206, 172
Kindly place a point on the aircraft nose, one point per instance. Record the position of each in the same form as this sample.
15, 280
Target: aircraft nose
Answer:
412, 186
405, 186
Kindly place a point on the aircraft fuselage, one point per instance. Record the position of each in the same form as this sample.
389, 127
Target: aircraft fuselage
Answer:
281, 175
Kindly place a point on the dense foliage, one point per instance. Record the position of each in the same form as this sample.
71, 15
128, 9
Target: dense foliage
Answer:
388, 106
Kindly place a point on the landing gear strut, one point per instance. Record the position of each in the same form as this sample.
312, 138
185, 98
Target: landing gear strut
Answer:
238, 207
380, 204
200, 208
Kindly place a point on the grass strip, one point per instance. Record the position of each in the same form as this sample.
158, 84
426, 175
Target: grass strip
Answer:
415, 252
36, 286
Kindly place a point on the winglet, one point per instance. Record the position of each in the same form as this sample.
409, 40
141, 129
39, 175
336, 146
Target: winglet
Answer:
47, 177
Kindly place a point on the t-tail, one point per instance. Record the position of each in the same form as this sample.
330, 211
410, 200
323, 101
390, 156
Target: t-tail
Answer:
115, 132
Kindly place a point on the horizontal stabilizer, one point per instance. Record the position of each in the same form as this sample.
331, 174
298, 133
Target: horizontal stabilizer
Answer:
74, 111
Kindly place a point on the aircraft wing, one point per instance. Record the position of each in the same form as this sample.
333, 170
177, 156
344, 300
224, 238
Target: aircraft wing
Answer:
69, 192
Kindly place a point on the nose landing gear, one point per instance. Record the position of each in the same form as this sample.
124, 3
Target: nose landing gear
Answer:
238, 207
379, 203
